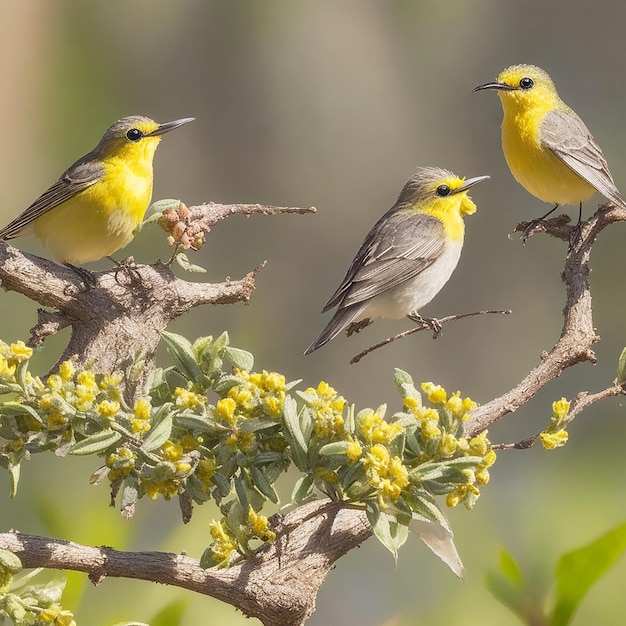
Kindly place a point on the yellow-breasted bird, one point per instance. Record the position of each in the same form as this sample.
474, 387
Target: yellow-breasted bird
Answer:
407, 257
547, 147
94, 208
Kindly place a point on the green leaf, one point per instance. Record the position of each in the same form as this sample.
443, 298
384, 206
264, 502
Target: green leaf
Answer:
387, 529
620, 377
241, 359
95, 443
14, 474
206, 560
183, 260
160, 431
303, 489
156, 208
294, 435
336, 447
577, 571
17, 408
181, 352
263, 484
508, 585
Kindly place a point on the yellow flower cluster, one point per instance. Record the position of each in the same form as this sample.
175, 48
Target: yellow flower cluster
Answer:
120, 463
223, 544
205, 472
555, 435
188, 399
56, 616
10, 357
375, 430
386, 474
328, 406
140, 421
267, 389
468, 492
260, 527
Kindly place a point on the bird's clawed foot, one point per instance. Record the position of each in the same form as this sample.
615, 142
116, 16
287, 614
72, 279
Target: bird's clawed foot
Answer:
125, 266
88, 277
427, 322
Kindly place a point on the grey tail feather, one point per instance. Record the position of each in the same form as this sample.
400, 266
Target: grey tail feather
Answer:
338, 322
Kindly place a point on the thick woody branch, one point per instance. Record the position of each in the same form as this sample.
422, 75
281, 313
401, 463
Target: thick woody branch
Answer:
278, 584
120, 317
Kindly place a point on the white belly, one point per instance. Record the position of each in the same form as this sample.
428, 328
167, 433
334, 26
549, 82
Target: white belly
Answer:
412, 295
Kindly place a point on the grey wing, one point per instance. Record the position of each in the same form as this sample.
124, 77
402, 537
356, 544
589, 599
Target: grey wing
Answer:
400, 246
566, 135
77, 178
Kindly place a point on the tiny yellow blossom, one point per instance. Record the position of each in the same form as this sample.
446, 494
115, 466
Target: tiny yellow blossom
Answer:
550, 441
354, 450
141, 411
172, 451
225, 410
108, 409
7, 372
54, 382
223, 545
447, 445
67, 371
189, 442
110, 381
489, 459
482, 477
187, 399
56, 421
259, 525
430, 430
411, 403
436, 394
328, 475
560, 409
206, 470
479, 445
86, 378
20, 352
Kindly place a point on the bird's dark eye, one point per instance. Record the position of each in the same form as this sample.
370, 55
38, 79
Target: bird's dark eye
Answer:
526, 83
134, 134
443, 190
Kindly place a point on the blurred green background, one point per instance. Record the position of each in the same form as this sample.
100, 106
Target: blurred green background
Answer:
334, 104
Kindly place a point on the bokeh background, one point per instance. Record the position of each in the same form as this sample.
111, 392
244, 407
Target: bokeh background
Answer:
334, 104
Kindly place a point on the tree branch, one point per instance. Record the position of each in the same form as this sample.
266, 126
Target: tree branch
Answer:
577, 335
277, 585
121, 316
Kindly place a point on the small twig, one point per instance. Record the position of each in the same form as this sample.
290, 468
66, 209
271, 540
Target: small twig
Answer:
578, 404
524, 444
558, 227
417, 329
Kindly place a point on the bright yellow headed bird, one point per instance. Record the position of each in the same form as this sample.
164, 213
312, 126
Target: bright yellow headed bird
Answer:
93, 209
548, 148
408, 256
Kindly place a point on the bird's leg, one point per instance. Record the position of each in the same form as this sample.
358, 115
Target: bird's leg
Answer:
576, 229
427, 322
88, 277
531, 225
355, 327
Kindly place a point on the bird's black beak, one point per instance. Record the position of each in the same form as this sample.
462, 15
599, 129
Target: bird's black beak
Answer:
470, 182
495, 85
165, 128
